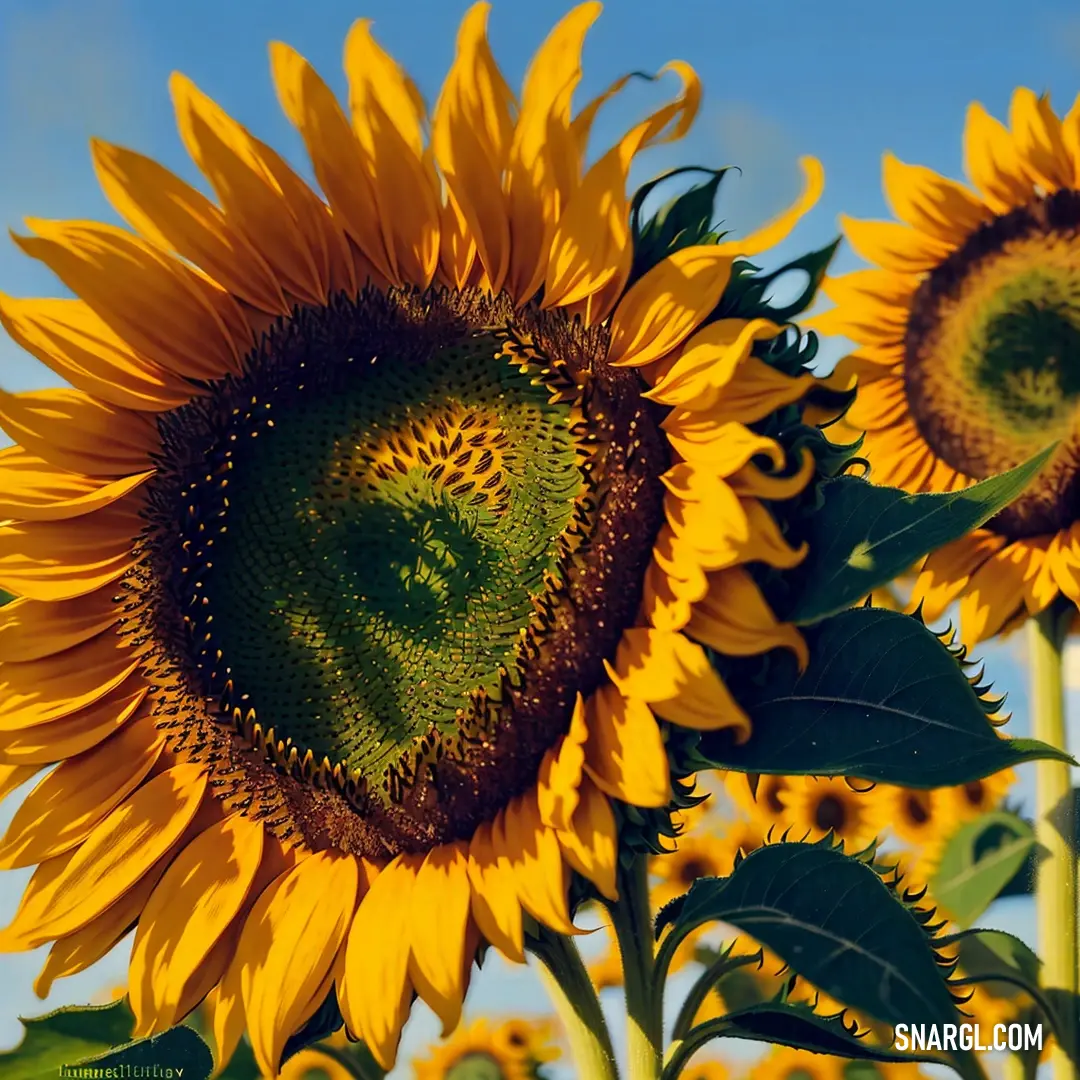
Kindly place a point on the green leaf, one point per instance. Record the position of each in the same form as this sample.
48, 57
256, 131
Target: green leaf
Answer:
985, 953
176, 1054
979, 860
1007, 961
863, 536
799, 1026
66, 1036
881, 699
834, 921
101, 1035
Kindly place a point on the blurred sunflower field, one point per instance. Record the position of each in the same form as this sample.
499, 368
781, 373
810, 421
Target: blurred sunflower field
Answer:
482, 602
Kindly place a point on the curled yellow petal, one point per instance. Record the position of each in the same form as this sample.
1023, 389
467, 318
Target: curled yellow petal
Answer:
560, 773
673, 676
779, 228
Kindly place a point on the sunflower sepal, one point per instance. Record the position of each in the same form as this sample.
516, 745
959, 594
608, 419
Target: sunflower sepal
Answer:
864, 535
683, 221
747, 290
814, 722
979, 861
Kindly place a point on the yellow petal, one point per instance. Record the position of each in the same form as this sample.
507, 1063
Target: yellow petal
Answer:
930, 203
376, 993
539, 872
1037, 135
159, 305
334, 151
113, 858
71, 339
264, 199
591, 249
438, 964
709, 361
895, 247
19, 935
81, 950
159, 206
947, 571
190, 909
74, 431
68, 736
663, 307
673, 676
560, 772
13, 776
34, 490
662, 604
735, 619
750, 481
778, 230
721, 450
48, 560
1070, 139
992, 162
544, 161
225, 1015
471, 132
495, 905
757, 390
32, 629
290, 939
625, 754
996, 590
387, 117
39, 691
68, 804
590, 844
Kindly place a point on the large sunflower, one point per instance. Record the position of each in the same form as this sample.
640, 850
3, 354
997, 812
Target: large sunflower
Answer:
372, 545
969, 353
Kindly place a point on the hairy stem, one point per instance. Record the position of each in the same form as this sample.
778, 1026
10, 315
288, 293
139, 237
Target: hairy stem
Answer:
1055, 887
574, 998
631, 917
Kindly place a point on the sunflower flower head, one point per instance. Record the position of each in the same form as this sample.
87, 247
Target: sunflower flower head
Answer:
509, 1051
822, 805
968, 333
371, 571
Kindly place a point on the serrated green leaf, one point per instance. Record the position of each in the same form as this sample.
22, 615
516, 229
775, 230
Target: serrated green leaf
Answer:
984, 953
176, 1054
1012, 963
799, 1026
979, 860
881, 699
863, 536
832, 919
66, 1036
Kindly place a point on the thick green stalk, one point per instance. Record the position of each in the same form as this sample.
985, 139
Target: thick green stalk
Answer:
1055, 886
632, 919
574, 998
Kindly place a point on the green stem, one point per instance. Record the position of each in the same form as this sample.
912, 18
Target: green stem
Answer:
574, 997
1055, 887
703, 985
682, 1051
631, 917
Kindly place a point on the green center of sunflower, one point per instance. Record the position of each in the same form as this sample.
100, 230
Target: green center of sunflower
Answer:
388, 557
387, 545
992, 357
475, 1066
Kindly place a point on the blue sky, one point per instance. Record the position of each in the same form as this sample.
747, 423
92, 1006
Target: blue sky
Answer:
841, 79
